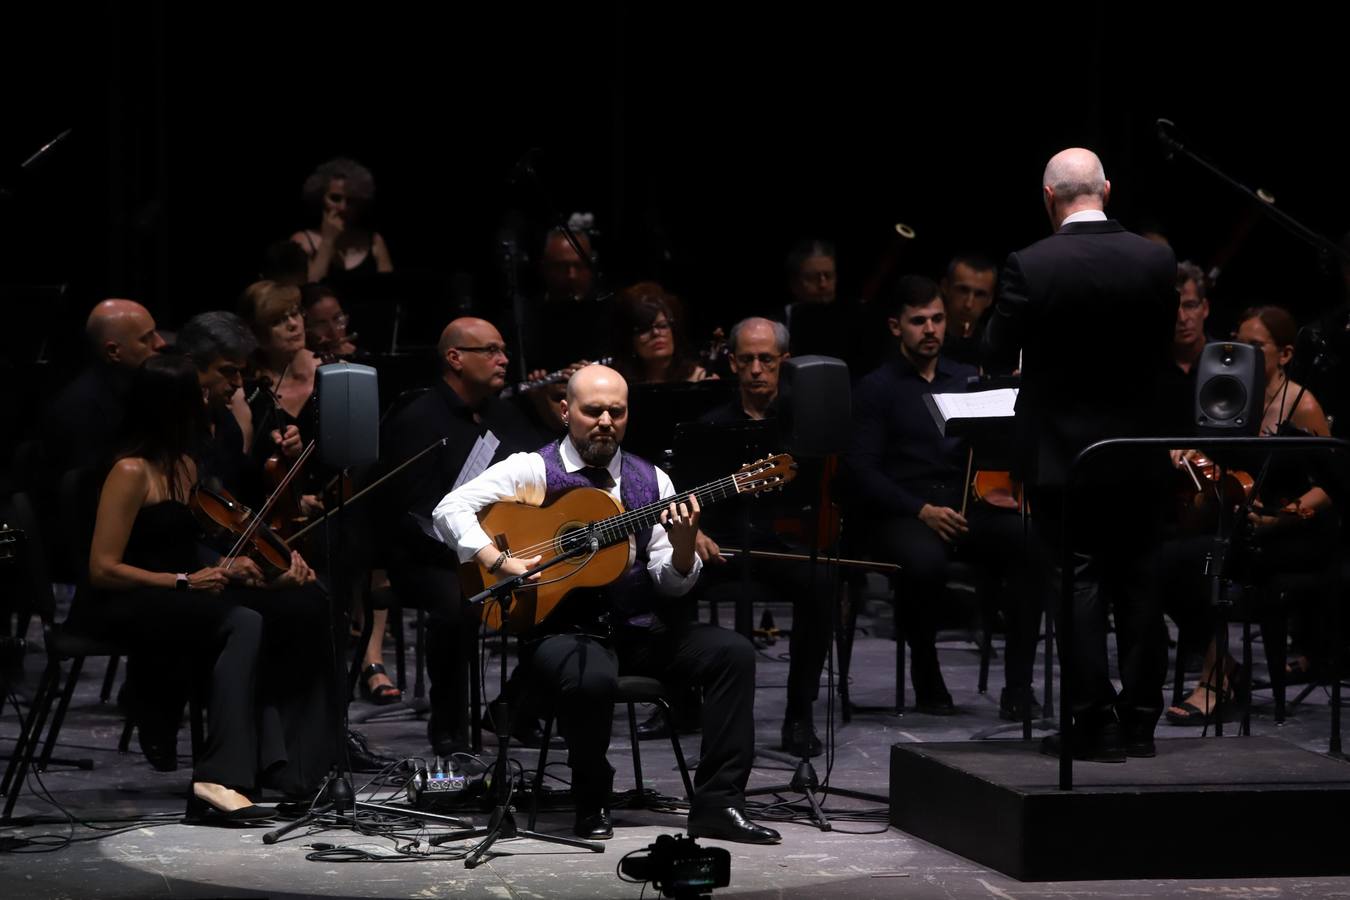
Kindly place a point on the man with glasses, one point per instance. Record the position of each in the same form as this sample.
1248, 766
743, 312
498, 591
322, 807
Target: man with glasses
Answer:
759, 347
462, 407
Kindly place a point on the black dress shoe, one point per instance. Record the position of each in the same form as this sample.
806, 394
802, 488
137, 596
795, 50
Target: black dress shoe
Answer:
526, 731
200, 812
1012, 705
729, 824
1103, 745
935, 704
654, 727
1140, 746
800, 738
161, 750
593, 826
362, 758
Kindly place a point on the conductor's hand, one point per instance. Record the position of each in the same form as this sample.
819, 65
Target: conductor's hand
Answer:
707, 549
949, 524
680, 520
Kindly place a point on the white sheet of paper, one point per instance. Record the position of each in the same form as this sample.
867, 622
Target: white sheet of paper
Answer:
480, 457
977, 404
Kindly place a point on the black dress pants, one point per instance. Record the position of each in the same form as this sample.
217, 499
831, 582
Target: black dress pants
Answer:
997, 545
450, 635
581, 673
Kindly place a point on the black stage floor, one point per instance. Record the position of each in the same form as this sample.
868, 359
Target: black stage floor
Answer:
861, 857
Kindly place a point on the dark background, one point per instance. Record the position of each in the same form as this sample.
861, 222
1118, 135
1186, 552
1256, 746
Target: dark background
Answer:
706, 139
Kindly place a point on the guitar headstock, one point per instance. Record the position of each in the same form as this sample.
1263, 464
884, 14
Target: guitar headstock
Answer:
768, 474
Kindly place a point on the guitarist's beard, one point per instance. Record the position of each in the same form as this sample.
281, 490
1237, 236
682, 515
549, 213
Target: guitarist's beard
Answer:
596, 452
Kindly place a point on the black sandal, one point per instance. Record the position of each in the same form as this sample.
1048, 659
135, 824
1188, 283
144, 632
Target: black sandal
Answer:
382, 694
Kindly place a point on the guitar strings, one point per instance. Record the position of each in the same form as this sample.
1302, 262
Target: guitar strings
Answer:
616, 525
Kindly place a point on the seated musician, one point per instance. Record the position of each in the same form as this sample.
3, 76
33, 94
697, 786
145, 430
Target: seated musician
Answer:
635, 626
326, 333
220, 345
649, 343
968, 292
1293, 527
758, 349
462, 408
908, 483
156, 592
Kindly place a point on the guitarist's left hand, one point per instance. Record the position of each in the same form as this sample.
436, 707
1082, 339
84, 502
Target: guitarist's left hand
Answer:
681, 523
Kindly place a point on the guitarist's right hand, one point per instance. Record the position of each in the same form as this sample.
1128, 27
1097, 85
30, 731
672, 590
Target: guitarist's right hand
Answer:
510, 566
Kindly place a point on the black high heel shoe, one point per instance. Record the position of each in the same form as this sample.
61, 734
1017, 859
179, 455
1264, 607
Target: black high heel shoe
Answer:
201, 812
380, 694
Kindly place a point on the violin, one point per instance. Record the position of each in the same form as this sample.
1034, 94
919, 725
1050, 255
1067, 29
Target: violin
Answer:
998, 489
1210, 494
227, 520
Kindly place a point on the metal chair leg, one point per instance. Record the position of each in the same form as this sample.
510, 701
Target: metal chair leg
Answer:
539, 773
76, 665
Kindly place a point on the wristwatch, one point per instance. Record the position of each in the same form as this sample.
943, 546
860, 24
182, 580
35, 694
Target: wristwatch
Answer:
180, 582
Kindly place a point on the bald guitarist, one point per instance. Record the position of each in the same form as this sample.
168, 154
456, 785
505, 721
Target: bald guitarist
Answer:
635, 626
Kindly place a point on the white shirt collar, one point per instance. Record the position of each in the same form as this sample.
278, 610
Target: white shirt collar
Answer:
1084, 215
572, 460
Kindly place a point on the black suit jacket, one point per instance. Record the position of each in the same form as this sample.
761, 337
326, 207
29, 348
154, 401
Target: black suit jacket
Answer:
1092, 309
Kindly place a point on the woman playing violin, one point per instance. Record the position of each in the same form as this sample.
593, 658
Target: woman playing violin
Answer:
1291, 521
155, 594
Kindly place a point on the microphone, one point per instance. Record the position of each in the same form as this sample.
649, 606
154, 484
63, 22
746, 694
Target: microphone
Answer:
1171, 144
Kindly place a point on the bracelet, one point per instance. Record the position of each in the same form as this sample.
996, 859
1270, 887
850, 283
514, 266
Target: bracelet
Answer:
492, 569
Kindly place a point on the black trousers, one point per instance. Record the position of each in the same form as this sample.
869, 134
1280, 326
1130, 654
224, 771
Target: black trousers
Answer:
997, 545
808, 643
1116, 538
265, 659
581, 673
451, 630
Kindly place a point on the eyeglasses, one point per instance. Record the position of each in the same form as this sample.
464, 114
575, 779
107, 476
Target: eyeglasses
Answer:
767, 360
489, 350
658, 325
337, 322
1191, 306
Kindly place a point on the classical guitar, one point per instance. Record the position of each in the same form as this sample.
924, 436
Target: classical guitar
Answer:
586, 517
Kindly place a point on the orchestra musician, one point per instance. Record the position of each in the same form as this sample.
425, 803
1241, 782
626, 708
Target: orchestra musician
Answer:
155, 592
908, 483
635, 626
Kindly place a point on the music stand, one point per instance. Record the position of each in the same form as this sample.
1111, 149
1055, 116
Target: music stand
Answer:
986, 425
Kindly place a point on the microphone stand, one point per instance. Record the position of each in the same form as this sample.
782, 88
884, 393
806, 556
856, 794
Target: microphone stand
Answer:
1324, 245
525, 172
502, 823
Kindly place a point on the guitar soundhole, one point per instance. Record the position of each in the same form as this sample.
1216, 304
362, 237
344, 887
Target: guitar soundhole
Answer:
570, 536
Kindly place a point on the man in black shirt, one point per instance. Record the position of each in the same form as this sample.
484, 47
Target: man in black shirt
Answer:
968, 292
461, 407
758, 348
908, 482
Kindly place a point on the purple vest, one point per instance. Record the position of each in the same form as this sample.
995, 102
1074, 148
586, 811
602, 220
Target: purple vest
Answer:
632, 595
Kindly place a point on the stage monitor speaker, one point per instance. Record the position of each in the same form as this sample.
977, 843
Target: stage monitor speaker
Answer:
815, 405
348, 414
1230, 384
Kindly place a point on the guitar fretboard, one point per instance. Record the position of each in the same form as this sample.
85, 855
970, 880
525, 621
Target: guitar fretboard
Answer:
619, 528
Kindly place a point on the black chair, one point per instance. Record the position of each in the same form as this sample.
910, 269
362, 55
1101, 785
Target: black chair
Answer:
632, 689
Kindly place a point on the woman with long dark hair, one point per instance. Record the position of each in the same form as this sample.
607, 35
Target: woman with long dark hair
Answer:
649, 339
264, 654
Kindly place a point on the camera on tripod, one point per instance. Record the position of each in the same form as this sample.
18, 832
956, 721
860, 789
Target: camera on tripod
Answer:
678, 867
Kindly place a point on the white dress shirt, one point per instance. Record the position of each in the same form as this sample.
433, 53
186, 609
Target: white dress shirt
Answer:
1084, 215
521, 478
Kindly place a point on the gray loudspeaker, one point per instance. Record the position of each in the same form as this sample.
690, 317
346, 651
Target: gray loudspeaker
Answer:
815, 405
349, 414
1230, 384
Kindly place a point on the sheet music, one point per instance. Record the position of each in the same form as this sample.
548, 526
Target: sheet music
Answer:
977, 404
480, 457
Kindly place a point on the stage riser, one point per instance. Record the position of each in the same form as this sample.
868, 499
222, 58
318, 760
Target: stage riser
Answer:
995, 803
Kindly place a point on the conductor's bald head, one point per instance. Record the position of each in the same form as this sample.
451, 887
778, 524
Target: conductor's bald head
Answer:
122, 332
1074, 180
596, 413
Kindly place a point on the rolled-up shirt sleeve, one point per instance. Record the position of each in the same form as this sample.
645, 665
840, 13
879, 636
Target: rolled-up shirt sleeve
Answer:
519, 477
667, 579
